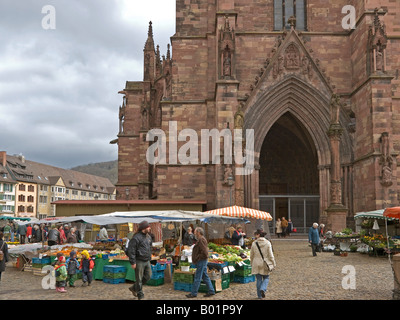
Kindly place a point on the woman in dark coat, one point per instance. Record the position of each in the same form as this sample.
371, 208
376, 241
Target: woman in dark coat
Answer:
4, 248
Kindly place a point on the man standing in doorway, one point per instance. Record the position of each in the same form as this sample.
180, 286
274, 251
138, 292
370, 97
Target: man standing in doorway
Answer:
284, 225
313, 238
139, 253
200, 259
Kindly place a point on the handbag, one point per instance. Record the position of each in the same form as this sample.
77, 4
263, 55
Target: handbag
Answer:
270, 268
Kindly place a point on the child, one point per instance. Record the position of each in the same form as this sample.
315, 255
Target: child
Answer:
61, 274
87, 265
72, 267
59, 254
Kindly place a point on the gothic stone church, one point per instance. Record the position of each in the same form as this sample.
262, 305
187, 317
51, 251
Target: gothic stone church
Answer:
323, 101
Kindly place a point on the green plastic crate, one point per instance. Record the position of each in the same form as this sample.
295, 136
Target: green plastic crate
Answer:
183, 277
243, 266
243, 273
203, 286
155, 282
114, 275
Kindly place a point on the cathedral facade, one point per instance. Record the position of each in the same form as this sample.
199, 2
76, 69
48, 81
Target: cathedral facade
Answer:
314, 83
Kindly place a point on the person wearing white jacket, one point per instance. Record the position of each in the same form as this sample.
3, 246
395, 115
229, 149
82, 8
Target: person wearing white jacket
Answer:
262, 262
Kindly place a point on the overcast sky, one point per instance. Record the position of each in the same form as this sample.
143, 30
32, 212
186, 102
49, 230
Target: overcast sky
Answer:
59, 87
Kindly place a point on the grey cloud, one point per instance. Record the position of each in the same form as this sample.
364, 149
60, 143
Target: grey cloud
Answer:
58, 88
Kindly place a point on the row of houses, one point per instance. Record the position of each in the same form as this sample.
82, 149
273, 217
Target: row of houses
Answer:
28, 188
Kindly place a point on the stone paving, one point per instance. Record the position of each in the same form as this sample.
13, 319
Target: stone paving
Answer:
298, 276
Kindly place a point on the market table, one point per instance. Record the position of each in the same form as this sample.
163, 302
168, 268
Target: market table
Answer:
100, 263
130, 273
343, 242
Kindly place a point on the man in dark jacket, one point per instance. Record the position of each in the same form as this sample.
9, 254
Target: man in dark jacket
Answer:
139, 253
4, 248
200, 259
22, 233
53, 236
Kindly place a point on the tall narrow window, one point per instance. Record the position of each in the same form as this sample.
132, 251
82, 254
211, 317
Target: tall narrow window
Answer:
284, 9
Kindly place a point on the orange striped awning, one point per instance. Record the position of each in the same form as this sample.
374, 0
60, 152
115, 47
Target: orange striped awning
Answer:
241, 212
392, 212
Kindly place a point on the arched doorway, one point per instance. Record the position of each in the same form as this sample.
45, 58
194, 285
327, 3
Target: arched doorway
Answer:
288, 174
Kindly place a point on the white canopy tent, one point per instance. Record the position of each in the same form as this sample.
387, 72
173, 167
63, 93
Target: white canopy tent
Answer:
124, 217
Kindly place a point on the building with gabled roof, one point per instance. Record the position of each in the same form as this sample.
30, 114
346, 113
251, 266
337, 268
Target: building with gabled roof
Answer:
38, 185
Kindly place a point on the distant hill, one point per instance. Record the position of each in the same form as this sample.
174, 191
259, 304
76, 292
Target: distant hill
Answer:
107, 169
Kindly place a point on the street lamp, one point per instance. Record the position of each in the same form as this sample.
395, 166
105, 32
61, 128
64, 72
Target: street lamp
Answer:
127, 193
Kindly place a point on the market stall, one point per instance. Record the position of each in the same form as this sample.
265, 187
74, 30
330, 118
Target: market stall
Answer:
226, 263
378, 231
257, 219
375, 234
112, 254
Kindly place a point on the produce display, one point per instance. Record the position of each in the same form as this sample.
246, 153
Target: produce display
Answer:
227, 253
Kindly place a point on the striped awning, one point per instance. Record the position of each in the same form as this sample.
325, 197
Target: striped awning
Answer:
241, 212
392, 212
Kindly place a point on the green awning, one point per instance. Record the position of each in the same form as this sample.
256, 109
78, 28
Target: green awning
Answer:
14, 218
376, 214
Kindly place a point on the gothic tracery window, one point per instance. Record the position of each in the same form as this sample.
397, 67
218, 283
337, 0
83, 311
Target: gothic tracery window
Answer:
284, 9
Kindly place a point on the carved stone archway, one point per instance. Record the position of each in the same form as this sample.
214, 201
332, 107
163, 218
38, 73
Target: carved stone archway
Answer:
311, 107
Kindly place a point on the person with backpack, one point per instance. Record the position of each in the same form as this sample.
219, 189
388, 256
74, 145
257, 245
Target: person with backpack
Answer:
72, 268
61, 275
87, 265
3, 254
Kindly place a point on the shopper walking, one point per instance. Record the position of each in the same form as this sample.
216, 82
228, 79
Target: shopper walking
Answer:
262, 262
63, 238
53, 236
284, 224
278, 227
313, 238
29, 233
22, 233
290, 227
139, 253
7, 232
72, 238
200, 259
4, 258
36, 234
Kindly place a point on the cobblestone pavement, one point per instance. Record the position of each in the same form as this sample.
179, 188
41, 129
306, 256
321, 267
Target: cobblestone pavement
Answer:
298, 275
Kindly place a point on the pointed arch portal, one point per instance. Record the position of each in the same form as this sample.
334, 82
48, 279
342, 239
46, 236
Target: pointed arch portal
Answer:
288, 175
292, 151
